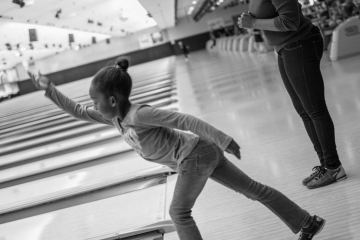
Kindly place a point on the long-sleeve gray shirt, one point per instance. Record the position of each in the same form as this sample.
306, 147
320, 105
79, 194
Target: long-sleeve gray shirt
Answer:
288, 18
153, 133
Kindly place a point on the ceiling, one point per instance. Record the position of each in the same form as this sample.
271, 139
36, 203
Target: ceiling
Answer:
183, 7
15, 46
83, 18
114, 17
163, 11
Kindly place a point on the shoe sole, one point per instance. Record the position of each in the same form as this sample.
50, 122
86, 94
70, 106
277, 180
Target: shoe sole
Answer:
342, 178
306, 182
336, 180
321, 228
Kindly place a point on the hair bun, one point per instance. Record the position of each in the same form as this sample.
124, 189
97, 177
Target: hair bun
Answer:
123, 63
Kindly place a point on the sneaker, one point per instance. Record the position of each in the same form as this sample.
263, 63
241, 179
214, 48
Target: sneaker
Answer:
316, 171
326, 177
313, 228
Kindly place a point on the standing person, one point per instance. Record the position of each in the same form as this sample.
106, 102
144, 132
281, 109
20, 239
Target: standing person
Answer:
185, 50
299, 45
349, 9
196, 157
213, 39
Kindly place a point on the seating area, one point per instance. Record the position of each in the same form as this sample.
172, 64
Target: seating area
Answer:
344, 42
338, 21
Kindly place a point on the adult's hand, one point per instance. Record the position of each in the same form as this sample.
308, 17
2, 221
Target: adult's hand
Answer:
246, 20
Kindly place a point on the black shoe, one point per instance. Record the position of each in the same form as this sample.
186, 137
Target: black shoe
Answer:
314, 227
316, 171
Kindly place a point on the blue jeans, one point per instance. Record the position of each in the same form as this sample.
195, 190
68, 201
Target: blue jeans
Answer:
207, 160
299, 65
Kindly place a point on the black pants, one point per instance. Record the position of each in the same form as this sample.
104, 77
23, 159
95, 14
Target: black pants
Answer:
299, 65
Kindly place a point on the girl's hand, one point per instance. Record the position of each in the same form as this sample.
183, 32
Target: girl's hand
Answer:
246, 20
234, 149
40, 82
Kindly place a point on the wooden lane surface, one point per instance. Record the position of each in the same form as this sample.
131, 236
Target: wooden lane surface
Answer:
133, 210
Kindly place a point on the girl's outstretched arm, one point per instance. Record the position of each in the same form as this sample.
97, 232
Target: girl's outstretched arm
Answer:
73, 108
164, 118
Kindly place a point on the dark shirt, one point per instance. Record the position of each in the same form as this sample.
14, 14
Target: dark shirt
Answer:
288, 18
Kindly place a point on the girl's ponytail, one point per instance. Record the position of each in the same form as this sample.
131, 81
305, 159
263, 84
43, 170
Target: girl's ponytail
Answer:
114, 80
122, 63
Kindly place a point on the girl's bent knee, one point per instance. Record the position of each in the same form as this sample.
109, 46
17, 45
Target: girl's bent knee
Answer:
180, 216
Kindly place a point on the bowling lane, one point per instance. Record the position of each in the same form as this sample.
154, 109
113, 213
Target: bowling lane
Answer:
112, 160
40, 107
115, 169
53, 148
36, 114
144, 97
21, 135
155, 70
155, 87
62, 145
152, 87
66, 159
122, 215
58, 119
25, 143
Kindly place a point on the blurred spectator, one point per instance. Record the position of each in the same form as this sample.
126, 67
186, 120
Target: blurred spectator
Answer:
213, 40
185, 49
349, 8
260, 44
328, 14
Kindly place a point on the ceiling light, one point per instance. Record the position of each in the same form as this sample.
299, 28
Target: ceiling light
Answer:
219, 2
194, 2
29, 2
17, 53
190, 10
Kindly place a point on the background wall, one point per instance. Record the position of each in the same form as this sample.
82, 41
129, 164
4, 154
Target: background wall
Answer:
186, 27
74, 65
89, 69
97, 52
